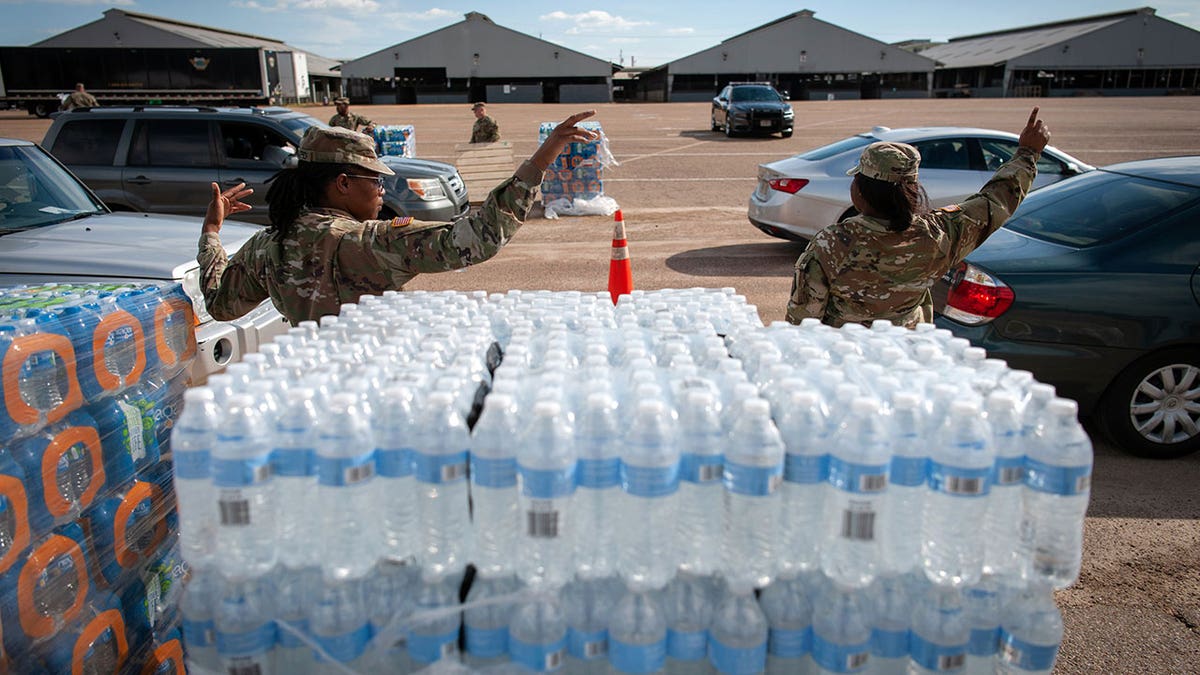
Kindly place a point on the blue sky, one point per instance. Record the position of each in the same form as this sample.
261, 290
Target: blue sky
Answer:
648, 32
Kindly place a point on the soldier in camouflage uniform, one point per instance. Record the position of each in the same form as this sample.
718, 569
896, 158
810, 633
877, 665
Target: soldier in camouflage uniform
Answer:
78, 99
348, 120
324, 247
882, 263
485, 129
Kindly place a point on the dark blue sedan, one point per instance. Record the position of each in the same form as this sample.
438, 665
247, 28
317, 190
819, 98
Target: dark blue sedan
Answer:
1094, 286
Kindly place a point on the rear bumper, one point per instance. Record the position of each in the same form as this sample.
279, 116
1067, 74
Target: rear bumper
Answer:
220, 343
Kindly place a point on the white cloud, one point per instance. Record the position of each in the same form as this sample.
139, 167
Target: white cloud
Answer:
680, 31
351, 6
594, 21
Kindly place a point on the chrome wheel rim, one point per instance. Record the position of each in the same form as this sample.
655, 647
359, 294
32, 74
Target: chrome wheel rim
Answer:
1165, 407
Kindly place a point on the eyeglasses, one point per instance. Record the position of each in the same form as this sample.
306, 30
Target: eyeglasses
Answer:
377, 179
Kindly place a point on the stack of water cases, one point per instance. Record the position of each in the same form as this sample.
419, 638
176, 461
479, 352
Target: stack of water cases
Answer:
93, 377
398, 140
539, 481
577, 173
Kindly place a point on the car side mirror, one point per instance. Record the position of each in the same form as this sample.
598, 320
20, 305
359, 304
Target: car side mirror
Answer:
1071, 169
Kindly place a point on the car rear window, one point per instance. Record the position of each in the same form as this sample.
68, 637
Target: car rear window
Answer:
84, 142
1096, 207
844, 145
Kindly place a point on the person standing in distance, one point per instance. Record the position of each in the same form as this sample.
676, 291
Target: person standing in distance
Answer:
348, 120
881, 264
485, 129
325, 247
78, 99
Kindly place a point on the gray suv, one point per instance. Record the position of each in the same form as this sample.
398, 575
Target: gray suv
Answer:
162, 159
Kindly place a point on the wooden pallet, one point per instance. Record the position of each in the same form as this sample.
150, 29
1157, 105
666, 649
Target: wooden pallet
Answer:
483, 166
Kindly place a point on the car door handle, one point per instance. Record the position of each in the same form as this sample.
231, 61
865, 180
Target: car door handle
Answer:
139, 180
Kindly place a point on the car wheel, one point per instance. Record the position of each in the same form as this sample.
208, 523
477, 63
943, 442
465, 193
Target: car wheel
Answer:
786, 134
41, 110
728, 127
715, 126
1152, 409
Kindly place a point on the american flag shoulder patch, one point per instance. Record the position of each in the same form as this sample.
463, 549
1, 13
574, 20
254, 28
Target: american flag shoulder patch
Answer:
401, 221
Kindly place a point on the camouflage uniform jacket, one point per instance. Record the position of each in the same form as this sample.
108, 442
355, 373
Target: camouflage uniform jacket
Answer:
485, 130
78, 99
351, 121
857, 270
329, 258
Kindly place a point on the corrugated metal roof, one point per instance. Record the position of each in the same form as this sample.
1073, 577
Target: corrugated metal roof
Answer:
992, 49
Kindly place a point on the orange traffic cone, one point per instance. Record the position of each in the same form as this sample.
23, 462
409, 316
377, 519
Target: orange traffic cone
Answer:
620, 275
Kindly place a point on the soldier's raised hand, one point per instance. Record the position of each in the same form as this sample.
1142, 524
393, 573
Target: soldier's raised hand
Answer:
565, 132
225, 204
1036, 134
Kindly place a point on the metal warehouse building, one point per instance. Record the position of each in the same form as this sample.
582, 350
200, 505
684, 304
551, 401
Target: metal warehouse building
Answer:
477, 60
1121, 54
807, 57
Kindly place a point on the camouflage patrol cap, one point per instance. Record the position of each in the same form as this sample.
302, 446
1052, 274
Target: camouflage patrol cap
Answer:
480, 104
341, 100
886, 161
335, 145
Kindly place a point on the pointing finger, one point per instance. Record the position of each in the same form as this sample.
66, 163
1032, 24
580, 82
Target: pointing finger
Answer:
1032, 117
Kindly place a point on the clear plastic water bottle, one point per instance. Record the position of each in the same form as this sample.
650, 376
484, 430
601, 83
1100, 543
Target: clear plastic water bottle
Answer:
440, 465
587, 605
806, 482
390, 590
293, 462
650, 481
598, 487
637, 634
960, 468
905, 501
546, 465
981, 603
1031, 631
245, 629
689, 604
496, 514
737, 642
192, 440
1057, 488
940, 632
345, 498
537, 634
753, 475
197, 604
842, 631
858, 473
485, 627
294, 594
436, 638
701, 446
395, 487
890, 624
788, 606
241, 474
1002, 527
338, 621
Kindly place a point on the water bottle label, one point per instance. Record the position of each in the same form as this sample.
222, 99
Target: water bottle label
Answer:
889, 644
598, 474
199, 634
438, 469
258, 641
753, 481
933, 656
1008, 471
701, 468
806, 469
789, 644
236, 473
687, 645
738, 661
858, 521
487, 643
650, 481
852, 477
984, 641
547, 483
291, 634
394, 462
837, 658
346, 471
293, 462
1067, 481
133, 430
958, 481
494, 473
193, 465
587, 645
1026, 655
909, 471
538, 658
432, 648
346, 647
258, 664
638, 659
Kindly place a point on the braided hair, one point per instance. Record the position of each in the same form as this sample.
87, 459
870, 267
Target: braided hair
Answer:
294, 189
900, 203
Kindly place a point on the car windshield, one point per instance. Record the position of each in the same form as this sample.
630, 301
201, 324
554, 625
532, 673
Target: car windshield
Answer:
844, 145
1096, 207
302, 123
36, 191
753, 94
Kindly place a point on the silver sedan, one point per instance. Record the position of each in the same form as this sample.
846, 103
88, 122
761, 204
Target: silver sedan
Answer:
798, 196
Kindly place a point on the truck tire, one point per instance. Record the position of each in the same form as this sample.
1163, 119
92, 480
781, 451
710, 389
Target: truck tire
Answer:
41, 109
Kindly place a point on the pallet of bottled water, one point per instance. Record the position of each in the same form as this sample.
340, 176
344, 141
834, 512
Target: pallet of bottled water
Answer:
546, 482
93, 377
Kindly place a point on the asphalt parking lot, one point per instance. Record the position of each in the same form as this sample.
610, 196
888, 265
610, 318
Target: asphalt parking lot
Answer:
683, 191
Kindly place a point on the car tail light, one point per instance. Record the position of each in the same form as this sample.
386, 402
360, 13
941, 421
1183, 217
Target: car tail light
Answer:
976, 297
788, 185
